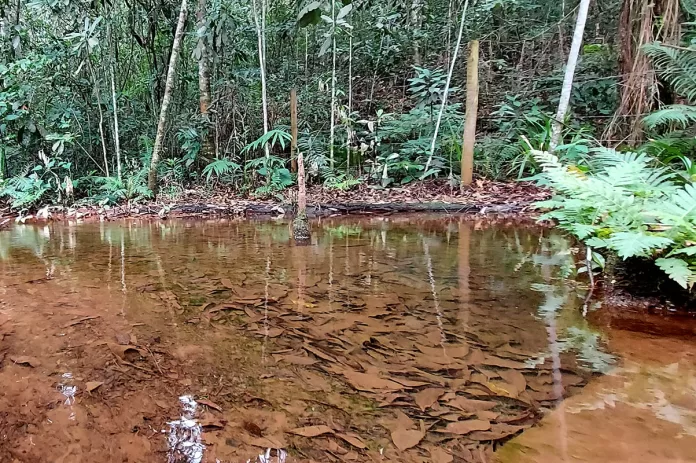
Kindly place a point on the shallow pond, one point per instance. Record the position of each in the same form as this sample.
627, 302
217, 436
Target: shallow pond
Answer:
424, 338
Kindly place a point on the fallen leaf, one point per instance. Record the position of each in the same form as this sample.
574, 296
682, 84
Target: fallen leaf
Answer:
405, 439
296, 360
498, 431
353, 439
226, 283
211, 422
503, 363
161, 404
210, 404
514, 377
24, 360
465, 427
447, 350
440, 455
427, 397
92, 385
312, 431
370, 382
471, 405
80, 320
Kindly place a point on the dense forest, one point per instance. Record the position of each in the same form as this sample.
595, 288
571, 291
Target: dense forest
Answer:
122, 100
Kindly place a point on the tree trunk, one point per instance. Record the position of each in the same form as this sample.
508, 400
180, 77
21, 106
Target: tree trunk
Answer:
333, 87
101, 116
166, 99
293, 130
446, 90
261, 42
117, 137
569, 74
300, 226
208, 140
472, 96
416, 23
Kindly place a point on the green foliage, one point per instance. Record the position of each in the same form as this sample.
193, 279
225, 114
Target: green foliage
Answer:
677, 66
221, 169
113, 191
428, 87
628, 204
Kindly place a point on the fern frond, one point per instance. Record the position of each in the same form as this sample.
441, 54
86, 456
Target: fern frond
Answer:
679, 115
676, 66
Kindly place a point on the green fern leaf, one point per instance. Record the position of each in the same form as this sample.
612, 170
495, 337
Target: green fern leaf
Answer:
678, 270
634, 244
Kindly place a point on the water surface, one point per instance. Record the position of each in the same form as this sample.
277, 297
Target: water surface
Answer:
424, 338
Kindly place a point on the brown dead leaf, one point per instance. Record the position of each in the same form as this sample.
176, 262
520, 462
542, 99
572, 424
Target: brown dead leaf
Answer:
465, 427
370, 382
227, 283
471, 405
319, 353
312, 431
440, 455
405, 439
427, 397
210, 422
352, 439
514, 377
498, 431
210, 404
492, 360
25, 360
161, 404
92, 385
296, 360
447, 350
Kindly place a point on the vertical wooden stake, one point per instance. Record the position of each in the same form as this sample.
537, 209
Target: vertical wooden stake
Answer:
472, 95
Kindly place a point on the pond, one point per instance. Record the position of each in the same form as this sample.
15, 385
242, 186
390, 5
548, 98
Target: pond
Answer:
408, 338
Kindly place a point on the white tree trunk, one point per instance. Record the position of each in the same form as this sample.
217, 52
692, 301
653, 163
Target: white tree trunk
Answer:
447, 86
166, 99
117, 137
333, 87
261, 36
569, 74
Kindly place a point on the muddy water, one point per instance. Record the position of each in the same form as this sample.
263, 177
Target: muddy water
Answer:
404, 339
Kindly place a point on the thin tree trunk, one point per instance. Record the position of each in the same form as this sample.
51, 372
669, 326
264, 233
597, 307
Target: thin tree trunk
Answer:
472, 96
569, 74
117, 142
416, 22
293, 130
261, 41
333, 87
117, 137
166, 99
300, 226
101, 116
208, 141
446, 90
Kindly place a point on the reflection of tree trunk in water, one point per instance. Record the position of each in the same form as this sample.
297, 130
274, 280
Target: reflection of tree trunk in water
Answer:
267, 277
436, 300
301, 263
123, 276
464, 273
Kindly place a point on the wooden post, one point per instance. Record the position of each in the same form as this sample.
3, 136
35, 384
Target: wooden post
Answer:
300, 226
472, 91
293, 130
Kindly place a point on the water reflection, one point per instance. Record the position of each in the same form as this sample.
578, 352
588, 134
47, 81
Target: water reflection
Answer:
416, 326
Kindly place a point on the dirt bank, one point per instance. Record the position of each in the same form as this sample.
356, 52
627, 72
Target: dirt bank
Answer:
484, 196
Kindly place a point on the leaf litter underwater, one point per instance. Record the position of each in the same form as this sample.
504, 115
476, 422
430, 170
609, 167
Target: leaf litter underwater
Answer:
409, 339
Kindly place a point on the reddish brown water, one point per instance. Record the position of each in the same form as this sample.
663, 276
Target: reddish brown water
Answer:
408, 339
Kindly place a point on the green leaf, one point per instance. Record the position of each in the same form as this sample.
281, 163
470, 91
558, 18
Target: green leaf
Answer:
343, 12
678, 270
636, 244
309, 14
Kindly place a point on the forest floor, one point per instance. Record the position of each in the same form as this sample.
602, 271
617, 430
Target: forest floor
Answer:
484, 196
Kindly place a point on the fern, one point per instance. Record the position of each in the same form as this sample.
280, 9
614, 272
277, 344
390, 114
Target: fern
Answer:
677, 66
628, 204
220, 168
678, 115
